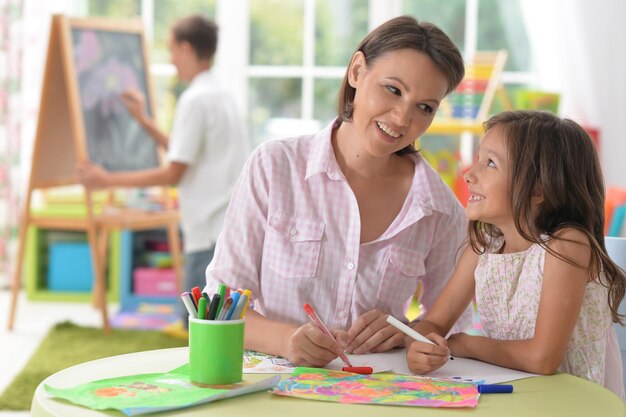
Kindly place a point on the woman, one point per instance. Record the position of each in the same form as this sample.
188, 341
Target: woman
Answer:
350, 219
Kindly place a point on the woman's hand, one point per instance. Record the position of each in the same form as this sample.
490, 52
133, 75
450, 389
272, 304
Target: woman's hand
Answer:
372, 333
424, 358
309, 346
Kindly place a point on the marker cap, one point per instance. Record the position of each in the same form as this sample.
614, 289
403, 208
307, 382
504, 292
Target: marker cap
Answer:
363, 370
495, 389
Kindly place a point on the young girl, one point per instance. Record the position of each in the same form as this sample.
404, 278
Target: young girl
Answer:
546, 291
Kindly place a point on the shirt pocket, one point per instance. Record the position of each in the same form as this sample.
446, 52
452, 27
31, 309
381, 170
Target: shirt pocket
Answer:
400, 277
292, 246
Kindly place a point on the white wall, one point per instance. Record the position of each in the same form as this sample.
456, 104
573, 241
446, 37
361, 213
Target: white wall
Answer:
579, 50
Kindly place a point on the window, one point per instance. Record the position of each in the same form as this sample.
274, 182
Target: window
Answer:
298, 54
296, 51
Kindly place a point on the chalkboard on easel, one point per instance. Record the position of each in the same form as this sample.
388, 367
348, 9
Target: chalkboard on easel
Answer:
106, 63
90, 63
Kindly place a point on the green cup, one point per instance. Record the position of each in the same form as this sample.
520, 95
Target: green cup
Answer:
215, 351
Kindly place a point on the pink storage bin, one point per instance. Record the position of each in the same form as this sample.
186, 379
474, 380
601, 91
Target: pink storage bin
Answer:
155, 281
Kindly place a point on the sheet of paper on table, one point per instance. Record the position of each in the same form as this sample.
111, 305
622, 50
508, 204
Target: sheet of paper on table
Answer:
460, 369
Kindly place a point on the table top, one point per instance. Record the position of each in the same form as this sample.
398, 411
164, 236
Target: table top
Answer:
556, 395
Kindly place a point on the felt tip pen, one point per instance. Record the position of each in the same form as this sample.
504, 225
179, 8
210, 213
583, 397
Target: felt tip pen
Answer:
235, 296
248, 293
495, 389
409, 331
207, 298
221, 290
318, 322
193, 301
215, 302
243, 301
225, 308
191, 309
202, 308
197, 294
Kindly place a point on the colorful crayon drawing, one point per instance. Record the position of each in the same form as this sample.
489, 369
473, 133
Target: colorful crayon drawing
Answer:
381, 389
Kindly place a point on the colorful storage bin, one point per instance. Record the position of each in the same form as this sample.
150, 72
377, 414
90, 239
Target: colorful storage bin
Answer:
69, 267
155, 281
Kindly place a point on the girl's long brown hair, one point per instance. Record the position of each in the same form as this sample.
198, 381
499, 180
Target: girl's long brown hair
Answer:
556, 156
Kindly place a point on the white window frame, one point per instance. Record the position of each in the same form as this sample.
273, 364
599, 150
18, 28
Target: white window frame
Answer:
232, 60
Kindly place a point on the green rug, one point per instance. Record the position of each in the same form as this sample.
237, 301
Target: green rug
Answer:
87, 343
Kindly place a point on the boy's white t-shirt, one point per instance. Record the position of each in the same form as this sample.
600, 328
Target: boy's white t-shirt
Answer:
209, 136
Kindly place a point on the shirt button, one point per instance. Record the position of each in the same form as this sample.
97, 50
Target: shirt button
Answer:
333, 175
350, 266
293, 231
342, 315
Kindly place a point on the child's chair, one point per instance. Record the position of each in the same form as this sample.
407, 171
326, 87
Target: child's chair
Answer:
616, 248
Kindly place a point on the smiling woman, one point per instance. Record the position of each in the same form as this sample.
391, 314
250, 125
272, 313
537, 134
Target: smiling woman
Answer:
350, 219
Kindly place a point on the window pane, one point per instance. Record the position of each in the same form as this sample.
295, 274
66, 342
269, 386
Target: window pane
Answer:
276, 32
340, 26
500, 26
325, 91
449, 15
114, 8
166, 12
273, 99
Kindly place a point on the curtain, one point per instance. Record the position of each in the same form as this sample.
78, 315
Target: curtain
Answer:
579, 50
10, 129
24, 31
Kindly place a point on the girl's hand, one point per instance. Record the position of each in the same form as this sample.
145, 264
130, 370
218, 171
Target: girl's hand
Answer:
423, 358
309, 346
372, 333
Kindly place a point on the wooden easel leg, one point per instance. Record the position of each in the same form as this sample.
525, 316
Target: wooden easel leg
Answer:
17, 275
99, 291
102, 249
101, 288
173, 241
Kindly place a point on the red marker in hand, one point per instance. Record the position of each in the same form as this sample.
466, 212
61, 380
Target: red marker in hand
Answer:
318, 322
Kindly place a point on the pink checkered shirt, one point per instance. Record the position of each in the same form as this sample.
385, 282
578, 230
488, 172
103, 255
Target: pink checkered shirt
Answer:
292, 231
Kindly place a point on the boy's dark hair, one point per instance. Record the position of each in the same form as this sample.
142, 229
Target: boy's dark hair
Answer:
405, 32
200, 32
557, 157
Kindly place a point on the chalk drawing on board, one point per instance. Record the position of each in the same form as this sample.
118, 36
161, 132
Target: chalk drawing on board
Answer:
108, 63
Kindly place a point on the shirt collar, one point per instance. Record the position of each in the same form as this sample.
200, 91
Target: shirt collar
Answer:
322, 157
201, 77
428, 192
429, 189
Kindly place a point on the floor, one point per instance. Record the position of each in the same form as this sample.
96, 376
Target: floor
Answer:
33, 320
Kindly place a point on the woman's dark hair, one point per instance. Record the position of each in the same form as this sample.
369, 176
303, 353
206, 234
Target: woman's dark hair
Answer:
405, 32
200, 32
557, 157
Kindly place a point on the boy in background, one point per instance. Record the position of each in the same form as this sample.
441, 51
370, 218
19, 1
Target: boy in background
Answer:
205, 151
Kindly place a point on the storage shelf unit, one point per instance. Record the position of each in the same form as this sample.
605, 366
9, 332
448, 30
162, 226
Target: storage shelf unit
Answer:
130, 259
36, 264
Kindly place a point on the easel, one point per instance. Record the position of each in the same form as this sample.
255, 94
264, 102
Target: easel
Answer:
60, 143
